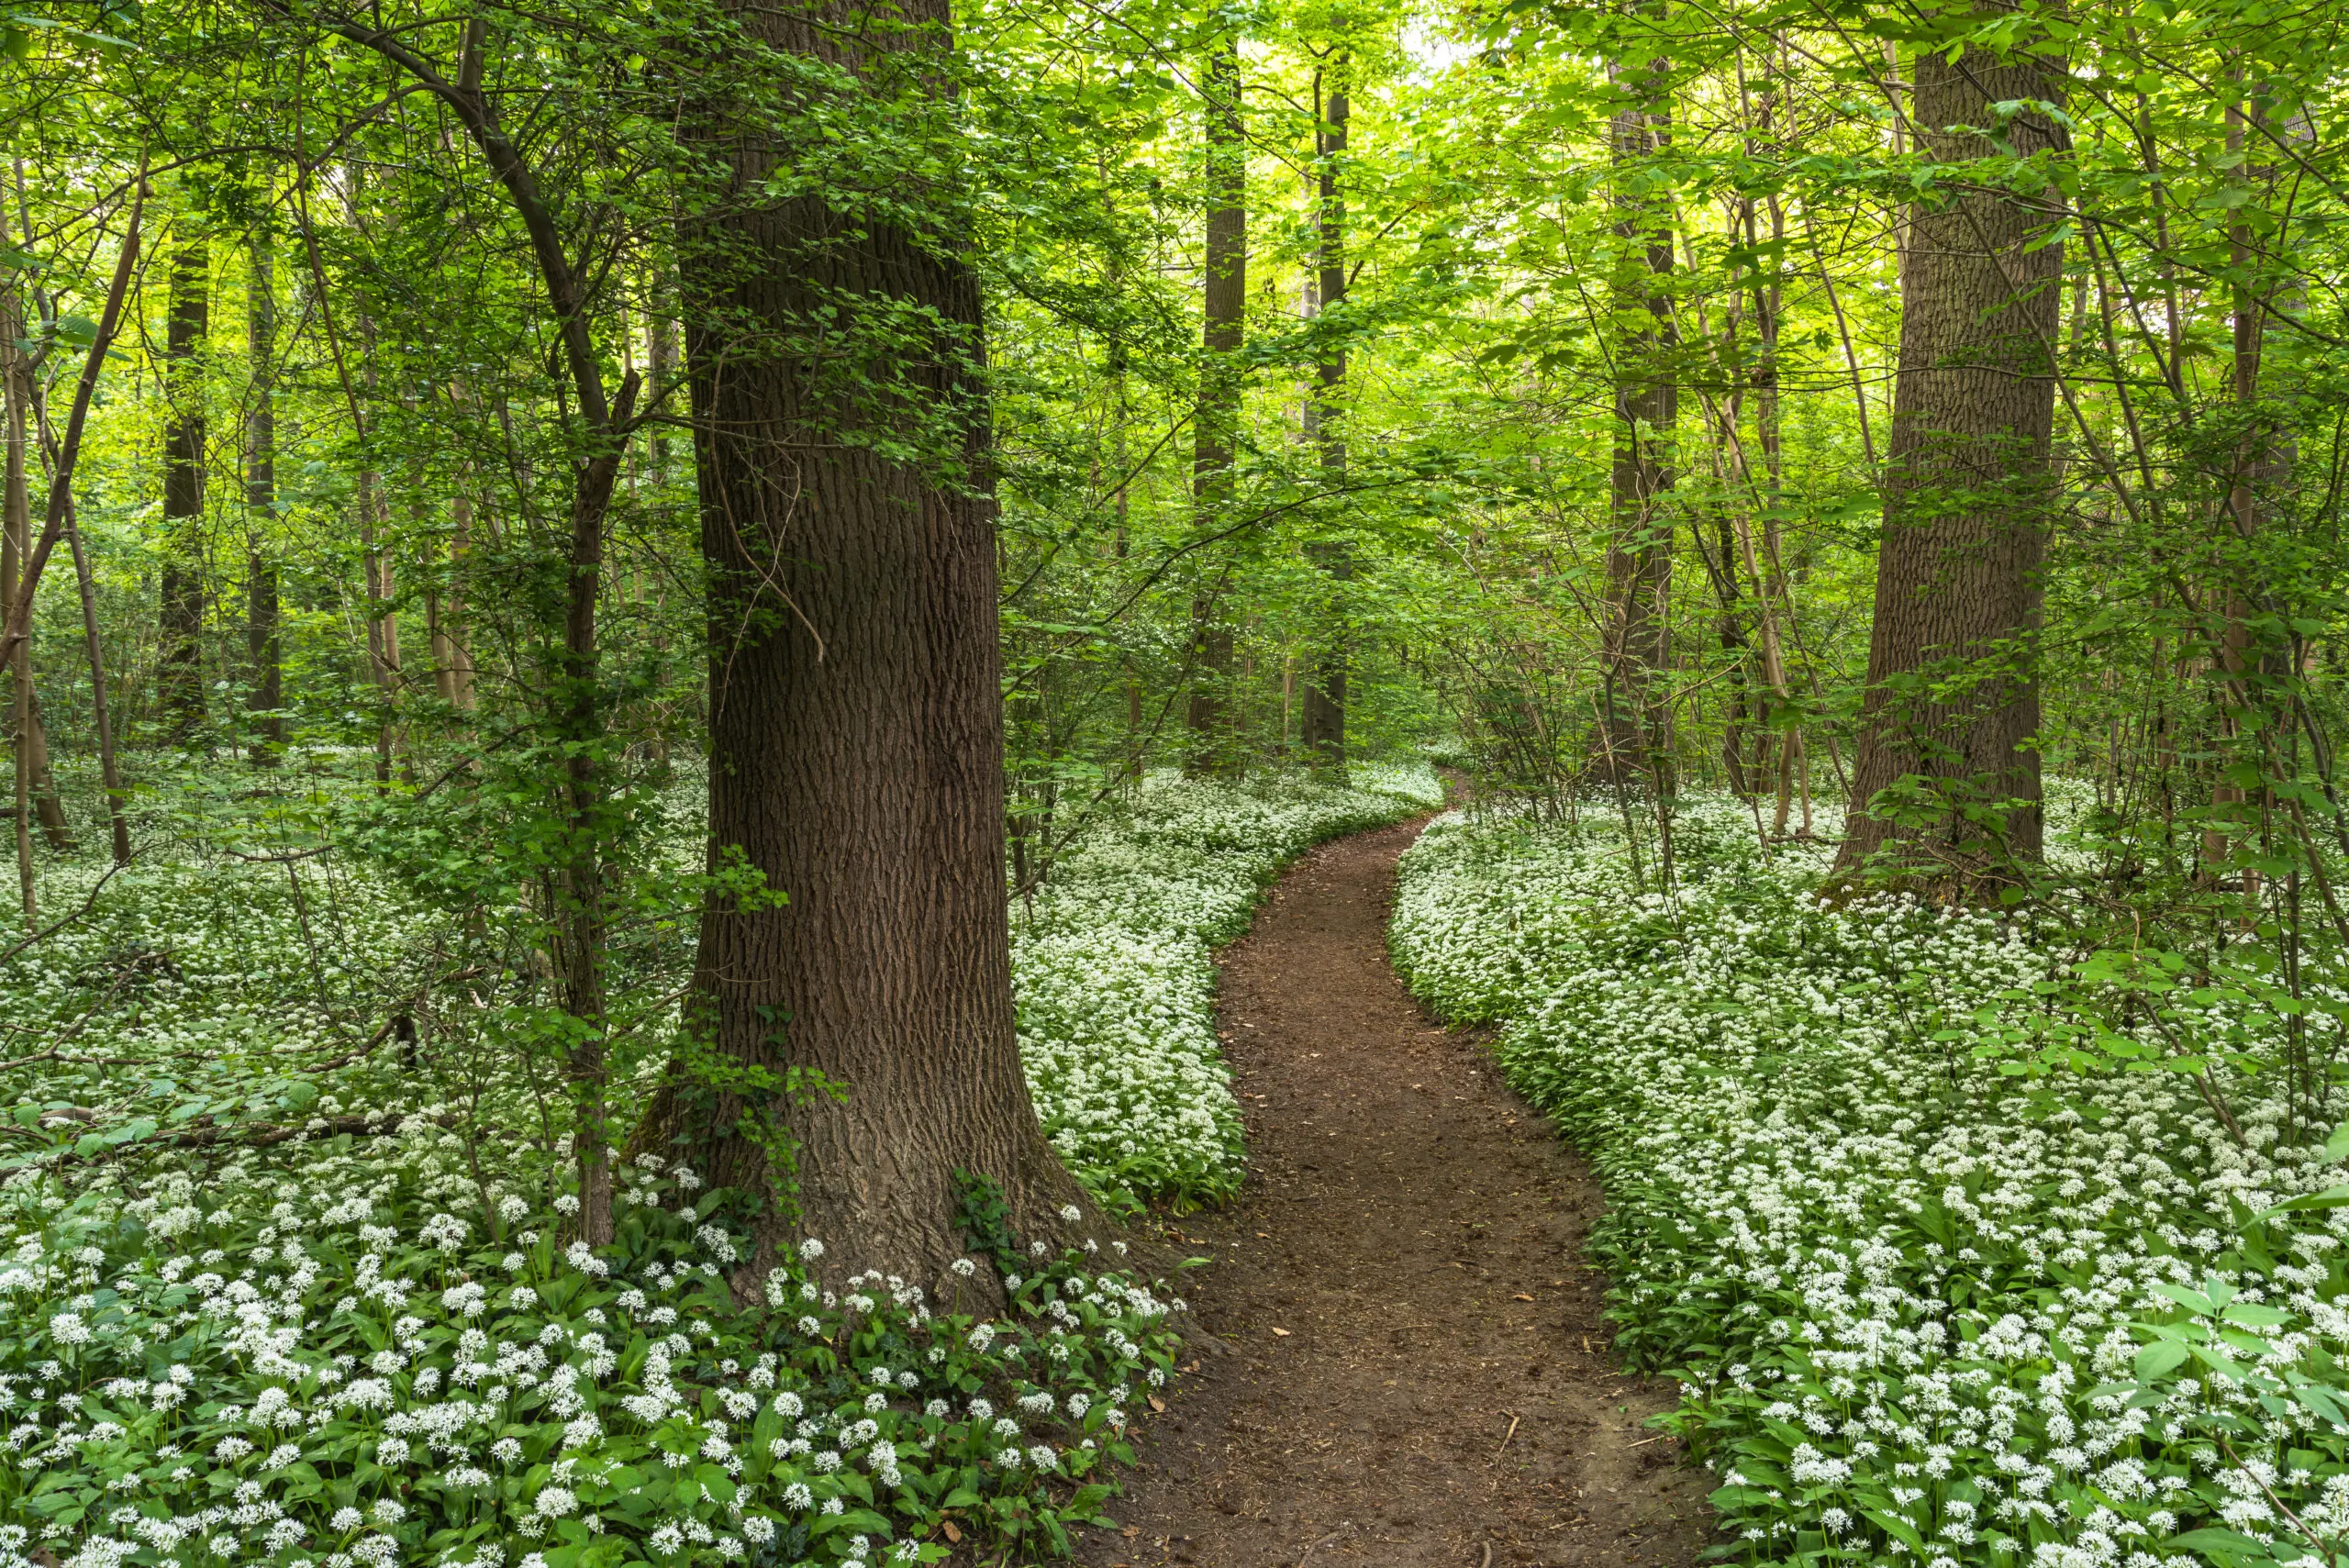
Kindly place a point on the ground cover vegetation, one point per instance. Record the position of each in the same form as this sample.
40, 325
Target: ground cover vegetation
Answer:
341, 1309
637, 636
1972, 1242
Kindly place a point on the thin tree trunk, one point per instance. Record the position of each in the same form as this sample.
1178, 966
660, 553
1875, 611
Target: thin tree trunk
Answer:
1966, 496
179, 675
578, 892
2256, 468
262, 644
452, 659
17, 633
110, 768
48, 802
35, 786
1639, 552
1325, 692
16, 541
376, 569
1217, 427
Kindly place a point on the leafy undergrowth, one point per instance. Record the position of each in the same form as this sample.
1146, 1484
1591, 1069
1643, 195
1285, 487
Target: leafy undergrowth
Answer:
349, 1361
217, 987
279, 1284
1938, 1216
1113, 965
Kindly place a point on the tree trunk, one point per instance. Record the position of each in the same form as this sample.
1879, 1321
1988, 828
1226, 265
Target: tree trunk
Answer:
262, 646
2249, 664
35, 786
27, 388
179, 675
1967, 491
452, 660
109, 770
1324, 735
856, 733
16, 537
1217, 425
64, 454
376, 571
1636, 741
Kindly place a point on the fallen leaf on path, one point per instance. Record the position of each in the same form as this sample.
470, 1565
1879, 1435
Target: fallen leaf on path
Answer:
1282, 1332
1156, 1403
952, 1533
1520, 1296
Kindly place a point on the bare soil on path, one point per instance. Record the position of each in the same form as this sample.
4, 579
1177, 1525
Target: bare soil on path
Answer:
1409, 1362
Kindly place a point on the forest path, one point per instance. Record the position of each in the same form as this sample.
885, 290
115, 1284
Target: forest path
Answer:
1413, 1368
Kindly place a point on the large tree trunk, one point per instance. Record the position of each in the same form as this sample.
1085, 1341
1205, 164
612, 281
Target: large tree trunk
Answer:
262, 641
1953, 699
1216, 429
179, 676
856, 732
1325, 693
1635, 734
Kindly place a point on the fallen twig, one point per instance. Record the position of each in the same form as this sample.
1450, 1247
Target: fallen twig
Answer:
256, 1134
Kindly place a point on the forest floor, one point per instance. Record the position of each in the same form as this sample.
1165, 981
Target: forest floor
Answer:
1408, 1362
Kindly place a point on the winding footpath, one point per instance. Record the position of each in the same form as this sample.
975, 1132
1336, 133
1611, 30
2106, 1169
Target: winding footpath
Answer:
1403, 1360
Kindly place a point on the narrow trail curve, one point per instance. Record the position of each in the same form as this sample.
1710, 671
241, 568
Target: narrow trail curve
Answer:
1416, 1231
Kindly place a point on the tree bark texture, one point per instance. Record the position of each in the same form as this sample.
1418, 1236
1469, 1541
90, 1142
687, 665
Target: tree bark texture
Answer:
856, 730
179, 676
1953, 699
1216, 429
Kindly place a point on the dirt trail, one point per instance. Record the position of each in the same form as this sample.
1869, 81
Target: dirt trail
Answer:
1414, 1370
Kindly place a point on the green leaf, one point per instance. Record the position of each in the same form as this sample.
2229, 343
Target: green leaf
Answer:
1897, 1529
2231, 1543
2194, 1301
2331, 1197
2254, 1315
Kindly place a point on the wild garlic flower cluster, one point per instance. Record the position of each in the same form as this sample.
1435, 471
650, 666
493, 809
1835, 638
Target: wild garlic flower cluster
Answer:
1116, 985
1925, 1311
333, 1364
203, 959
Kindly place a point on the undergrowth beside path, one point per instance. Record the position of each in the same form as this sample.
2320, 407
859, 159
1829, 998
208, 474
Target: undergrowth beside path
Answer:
1937, 1292
1397, 1359
345, 1327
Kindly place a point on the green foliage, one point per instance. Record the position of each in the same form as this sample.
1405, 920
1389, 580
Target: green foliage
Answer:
1960, 1246
331, 1361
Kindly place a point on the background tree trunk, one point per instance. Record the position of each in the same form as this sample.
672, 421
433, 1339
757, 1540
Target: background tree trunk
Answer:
262, 641
1324, 733
1217, 427
1968, 489
179, 675
856, 736
1636, 738
36, 786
